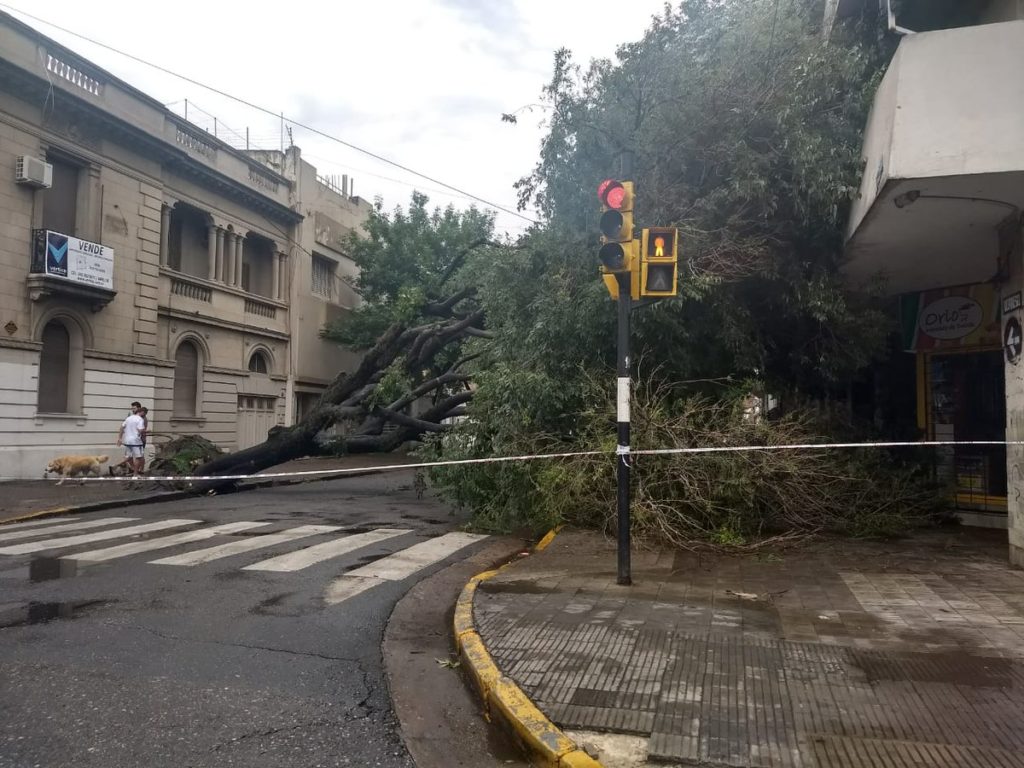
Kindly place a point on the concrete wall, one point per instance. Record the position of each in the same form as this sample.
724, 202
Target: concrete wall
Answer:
951, 104
1003, 10
330, 217
28, 440
877, 147
1013, 253
960, 107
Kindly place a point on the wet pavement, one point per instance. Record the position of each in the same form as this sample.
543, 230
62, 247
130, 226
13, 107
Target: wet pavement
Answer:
21, 497
835, 653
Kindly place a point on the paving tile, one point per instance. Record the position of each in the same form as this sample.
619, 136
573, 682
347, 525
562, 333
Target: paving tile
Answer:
918, 661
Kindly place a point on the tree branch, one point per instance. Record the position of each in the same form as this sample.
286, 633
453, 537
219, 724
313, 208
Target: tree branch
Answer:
408, 421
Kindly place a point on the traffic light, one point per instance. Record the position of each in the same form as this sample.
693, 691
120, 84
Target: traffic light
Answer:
619, 253
659, 255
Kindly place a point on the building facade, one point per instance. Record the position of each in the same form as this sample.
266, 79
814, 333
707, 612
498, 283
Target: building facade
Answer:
939, 217
145, 260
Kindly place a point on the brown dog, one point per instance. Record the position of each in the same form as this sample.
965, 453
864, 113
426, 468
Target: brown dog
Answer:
75, 466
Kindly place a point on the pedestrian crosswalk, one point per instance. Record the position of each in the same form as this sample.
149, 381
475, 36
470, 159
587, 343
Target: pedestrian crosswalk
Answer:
245, 545
88, 538
404, 552
398, 566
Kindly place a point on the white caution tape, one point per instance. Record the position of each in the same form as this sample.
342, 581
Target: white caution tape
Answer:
619, 451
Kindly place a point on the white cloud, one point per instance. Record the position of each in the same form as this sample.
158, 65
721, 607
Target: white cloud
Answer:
421, 83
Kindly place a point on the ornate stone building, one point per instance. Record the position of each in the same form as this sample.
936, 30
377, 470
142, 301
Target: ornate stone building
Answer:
144, 259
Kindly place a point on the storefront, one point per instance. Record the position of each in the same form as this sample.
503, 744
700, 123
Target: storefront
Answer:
956, 336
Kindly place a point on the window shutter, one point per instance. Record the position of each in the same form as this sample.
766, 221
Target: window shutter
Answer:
53, 369
186, 378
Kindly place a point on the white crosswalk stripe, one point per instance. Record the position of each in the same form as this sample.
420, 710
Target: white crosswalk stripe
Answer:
77, 526
296, 561
245, 545
398, 566
39, 536
163, 542
36, 523
88, 538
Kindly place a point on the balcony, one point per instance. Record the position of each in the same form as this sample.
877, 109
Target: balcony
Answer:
189, 297
944, 160
71, 268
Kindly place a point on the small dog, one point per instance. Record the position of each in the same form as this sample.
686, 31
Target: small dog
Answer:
75, 466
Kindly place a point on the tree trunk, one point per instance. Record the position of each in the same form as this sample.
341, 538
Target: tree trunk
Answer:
349, 397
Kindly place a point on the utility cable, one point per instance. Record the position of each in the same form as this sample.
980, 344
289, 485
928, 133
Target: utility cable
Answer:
266, 111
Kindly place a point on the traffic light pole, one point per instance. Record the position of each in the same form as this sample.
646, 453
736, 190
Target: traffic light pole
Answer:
622, 457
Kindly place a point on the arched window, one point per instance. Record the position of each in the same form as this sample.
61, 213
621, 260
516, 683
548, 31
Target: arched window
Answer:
258, 363
55, 369
186, 379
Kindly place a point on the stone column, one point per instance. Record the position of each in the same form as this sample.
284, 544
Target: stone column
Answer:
229, 258
211, 252
165, 235
238, 260
275, 287
218, 270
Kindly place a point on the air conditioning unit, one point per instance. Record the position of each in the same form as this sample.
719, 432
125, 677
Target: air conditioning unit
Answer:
33, 172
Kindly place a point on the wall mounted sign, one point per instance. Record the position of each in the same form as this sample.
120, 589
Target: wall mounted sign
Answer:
967, 316
74, 259
1011, 302
1013, 341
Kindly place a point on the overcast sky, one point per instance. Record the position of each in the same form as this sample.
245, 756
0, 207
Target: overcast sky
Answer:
421, 82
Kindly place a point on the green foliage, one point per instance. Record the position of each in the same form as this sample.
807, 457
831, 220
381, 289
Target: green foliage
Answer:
745, 130
406, 259
730, 499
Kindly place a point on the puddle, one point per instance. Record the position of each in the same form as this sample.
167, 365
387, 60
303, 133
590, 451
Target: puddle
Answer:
513, 587
50, 568
951, 668
41, 613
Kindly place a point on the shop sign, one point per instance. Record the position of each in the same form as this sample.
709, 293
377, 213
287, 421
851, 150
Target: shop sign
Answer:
967, 316
953, 317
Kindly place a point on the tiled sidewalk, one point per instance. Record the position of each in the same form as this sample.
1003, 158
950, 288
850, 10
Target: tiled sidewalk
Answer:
831, 654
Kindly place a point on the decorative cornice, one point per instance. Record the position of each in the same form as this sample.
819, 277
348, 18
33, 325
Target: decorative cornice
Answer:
29, 346
121, 357
218, 323
77, 111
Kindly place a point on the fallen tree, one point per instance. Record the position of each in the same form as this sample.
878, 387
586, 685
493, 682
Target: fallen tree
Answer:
415, 288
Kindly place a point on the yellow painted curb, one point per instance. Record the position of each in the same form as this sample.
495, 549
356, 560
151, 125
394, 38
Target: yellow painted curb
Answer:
52, 512
501, 696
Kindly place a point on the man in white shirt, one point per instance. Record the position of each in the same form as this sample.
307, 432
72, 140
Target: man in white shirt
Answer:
131, 436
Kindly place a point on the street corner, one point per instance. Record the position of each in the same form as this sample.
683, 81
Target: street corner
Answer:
504, 701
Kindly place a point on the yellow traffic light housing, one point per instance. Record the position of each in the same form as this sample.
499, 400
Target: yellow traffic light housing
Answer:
659, 256
620, 253
621, 258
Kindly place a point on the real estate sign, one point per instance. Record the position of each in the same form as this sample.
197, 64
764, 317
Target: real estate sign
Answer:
79, 261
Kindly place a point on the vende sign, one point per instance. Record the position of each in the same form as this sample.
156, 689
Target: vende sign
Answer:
952, 317
79, 261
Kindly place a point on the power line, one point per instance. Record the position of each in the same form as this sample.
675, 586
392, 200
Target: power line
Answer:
277, 115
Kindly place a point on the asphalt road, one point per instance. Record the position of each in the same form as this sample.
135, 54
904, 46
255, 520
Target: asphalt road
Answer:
202, 662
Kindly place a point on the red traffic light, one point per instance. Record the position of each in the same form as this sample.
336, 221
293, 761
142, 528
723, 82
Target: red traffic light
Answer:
612, 193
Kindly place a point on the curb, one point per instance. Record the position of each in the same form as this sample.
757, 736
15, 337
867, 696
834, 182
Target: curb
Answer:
502, 697
97, 506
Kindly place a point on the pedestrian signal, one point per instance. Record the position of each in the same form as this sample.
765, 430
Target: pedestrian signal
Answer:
659, 251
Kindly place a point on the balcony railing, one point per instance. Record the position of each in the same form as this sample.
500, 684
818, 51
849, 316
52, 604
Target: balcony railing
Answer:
254, 307
190, 290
